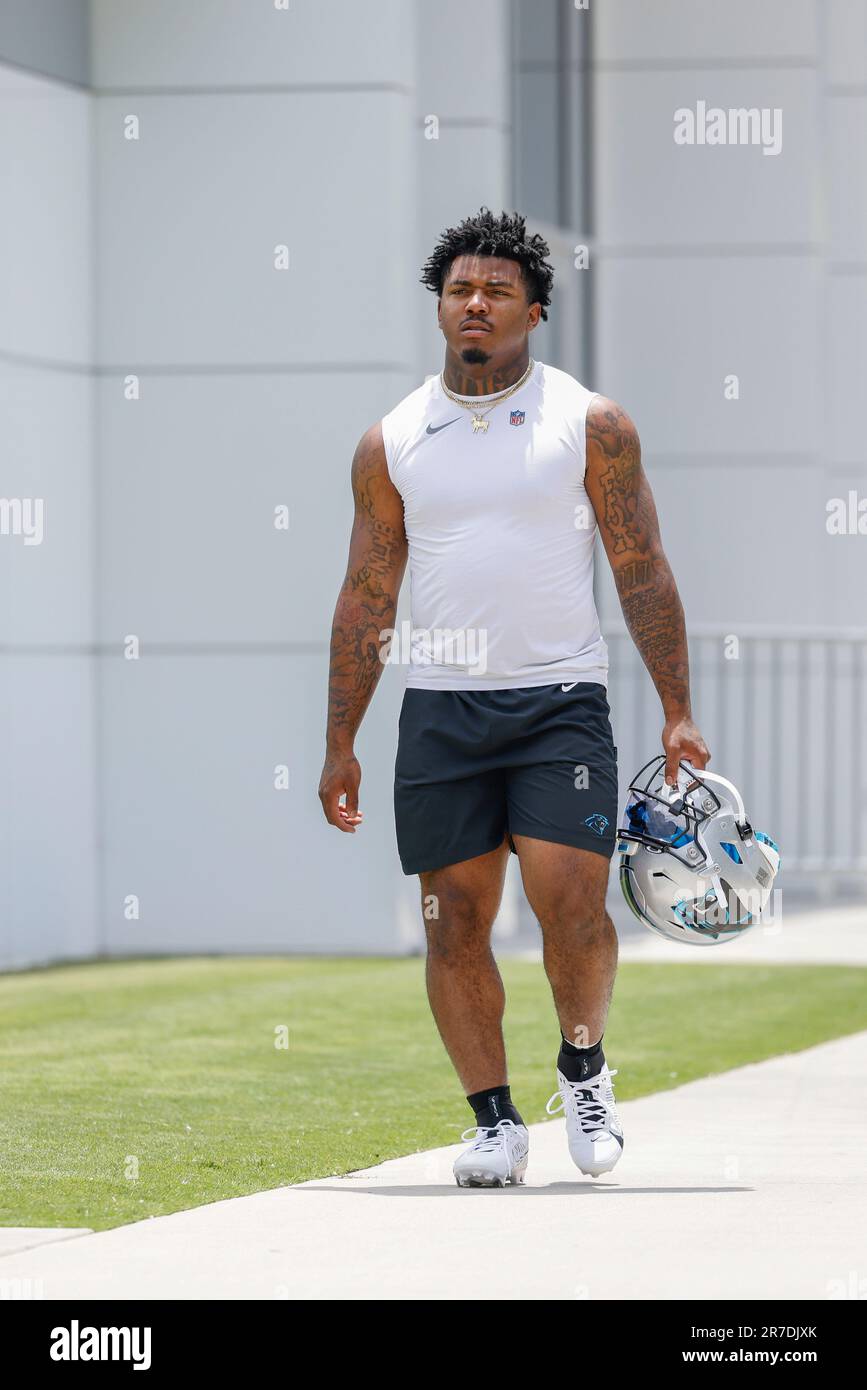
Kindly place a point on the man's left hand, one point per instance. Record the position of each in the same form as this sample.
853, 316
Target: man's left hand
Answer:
681, 739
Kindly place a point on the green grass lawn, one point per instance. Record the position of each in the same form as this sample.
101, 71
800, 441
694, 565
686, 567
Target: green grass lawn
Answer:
131, 1089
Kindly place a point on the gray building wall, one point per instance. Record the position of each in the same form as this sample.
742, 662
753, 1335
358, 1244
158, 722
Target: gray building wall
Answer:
715, 260
48, 769
47, 36
258, 128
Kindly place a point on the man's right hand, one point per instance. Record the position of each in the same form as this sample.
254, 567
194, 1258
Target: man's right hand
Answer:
341, 774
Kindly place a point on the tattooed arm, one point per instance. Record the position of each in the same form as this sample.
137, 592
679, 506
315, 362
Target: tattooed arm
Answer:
626, 516
366, 604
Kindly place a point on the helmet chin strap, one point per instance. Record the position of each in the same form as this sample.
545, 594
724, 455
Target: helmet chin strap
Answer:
714, 777
674, 796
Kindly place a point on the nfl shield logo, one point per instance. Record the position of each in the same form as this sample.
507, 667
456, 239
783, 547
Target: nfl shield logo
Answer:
517, 417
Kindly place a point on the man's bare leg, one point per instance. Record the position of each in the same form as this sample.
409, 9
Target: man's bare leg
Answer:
566, 889
463, 983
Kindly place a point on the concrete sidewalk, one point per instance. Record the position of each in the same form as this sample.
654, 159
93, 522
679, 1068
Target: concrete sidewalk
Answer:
799, 935
746, 1185
835, 936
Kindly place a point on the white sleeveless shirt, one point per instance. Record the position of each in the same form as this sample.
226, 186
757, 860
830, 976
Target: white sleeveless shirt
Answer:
501, 536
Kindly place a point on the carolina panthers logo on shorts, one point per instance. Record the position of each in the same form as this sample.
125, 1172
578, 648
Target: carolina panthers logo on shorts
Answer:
597, 822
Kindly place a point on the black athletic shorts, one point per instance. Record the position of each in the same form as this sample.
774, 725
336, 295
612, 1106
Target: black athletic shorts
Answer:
475, 765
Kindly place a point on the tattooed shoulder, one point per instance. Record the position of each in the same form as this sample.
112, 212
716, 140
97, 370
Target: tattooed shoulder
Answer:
611, 435
368, 467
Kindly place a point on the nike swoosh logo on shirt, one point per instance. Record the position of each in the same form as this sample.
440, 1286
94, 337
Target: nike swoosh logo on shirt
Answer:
435, 429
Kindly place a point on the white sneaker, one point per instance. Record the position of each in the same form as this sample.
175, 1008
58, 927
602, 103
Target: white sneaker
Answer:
498, 1155
593, 1128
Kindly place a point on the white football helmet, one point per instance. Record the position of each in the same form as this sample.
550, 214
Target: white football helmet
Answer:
692, 868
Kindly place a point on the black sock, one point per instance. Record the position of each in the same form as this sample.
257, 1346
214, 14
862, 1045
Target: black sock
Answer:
580, 1063
489, 1107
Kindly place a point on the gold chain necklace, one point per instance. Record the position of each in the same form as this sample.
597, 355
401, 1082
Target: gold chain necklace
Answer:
480, 424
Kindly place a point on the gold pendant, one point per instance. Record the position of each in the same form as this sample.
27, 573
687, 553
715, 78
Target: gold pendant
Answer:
480, 424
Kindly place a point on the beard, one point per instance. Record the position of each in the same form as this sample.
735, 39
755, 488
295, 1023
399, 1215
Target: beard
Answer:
475, 356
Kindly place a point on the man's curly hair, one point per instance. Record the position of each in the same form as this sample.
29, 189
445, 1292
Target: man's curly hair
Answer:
487, 235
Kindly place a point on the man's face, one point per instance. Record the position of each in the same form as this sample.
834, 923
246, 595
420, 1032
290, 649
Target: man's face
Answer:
483, 311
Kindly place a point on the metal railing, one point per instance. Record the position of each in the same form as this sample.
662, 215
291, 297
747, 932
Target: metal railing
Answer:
783, 713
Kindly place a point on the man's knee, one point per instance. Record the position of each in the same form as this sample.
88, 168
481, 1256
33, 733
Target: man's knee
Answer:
458, 924
578, 912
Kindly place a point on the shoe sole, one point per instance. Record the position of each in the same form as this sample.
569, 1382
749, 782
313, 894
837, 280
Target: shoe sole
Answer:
479, 1178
